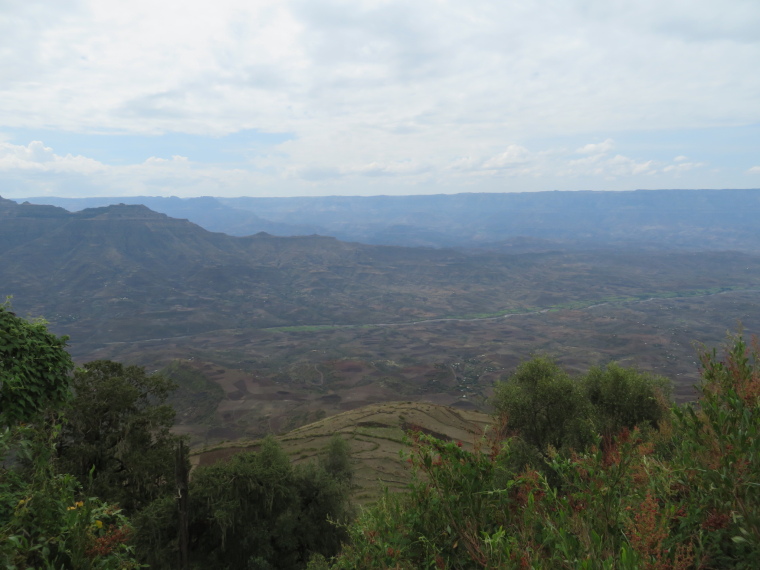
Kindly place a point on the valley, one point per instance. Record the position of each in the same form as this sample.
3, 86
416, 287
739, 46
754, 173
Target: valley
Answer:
265, 334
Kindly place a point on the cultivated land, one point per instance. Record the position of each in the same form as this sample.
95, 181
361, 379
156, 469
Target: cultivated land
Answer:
376, 435
273, 381
267, 334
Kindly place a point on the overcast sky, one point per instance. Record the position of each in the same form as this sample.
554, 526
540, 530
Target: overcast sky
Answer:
327, 97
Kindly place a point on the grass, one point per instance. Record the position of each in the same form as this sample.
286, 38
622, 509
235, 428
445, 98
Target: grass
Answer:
375, 446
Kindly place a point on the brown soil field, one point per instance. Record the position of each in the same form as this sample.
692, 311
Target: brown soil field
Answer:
276, 381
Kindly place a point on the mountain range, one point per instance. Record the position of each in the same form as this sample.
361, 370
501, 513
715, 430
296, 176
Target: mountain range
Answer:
273, 332
661, 220
125, 272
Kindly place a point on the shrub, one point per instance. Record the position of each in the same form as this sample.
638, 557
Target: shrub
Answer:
619, 503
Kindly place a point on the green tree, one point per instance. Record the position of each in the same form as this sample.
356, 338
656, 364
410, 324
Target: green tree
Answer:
45, 521
544, 405
34, 369
624, 398
254, 511
337, 460
116, 435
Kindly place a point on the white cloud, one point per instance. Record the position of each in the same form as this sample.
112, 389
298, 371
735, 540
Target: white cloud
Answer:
195, 66
37, 157
433, 91
682, 166
597, 148
754, 170
513, 156
608, 167
396, 168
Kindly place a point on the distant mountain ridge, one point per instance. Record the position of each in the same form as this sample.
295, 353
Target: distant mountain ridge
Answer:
649, 219
289, 326
123, 273
207, 212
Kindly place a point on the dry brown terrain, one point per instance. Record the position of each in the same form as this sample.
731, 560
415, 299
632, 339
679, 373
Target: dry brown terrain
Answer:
275, 381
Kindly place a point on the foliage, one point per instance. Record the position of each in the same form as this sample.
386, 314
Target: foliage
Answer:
34, 369
44, 521
719, 454
337, 460
116, 439
624, 398
254, 511
684, 493
548, 409
542, 403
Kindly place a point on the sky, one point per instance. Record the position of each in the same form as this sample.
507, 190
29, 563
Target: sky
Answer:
365, 97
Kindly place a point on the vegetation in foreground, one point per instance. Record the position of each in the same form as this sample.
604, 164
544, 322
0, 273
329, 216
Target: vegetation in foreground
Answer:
89, 476
591, 472
597, 473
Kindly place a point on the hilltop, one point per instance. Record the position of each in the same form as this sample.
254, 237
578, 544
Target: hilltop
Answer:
375, 435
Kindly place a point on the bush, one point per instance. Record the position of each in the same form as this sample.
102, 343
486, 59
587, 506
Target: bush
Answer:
620, 503
625, 398
45, 522
544, 405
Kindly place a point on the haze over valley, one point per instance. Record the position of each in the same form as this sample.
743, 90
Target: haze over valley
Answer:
271, 332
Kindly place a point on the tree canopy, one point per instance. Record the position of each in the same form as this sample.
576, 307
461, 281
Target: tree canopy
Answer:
256, 510
34, 368
116, 437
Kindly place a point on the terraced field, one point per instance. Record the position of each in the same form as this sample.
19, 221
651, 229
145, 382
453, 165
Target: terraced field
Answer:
376, 437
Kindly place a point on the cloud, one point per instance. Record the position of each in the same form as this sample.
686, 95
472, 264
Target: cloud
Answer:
577, 66
429, 92
396, 168
682, 166
514, 155
37, 169
38, 157
597, 148
754, 170
600, 164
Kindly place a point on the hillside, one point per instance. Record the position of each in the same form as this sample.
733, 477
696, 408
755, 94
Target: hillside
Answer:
375, 435
126, 273
267, 332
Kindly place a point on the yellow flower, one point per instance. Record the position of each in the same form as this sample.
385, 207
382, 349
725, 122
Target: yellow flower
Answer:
99, 524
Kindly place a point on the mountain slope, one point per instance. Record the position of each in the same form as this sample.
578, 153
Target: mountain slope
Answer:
126, 273
375, 435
